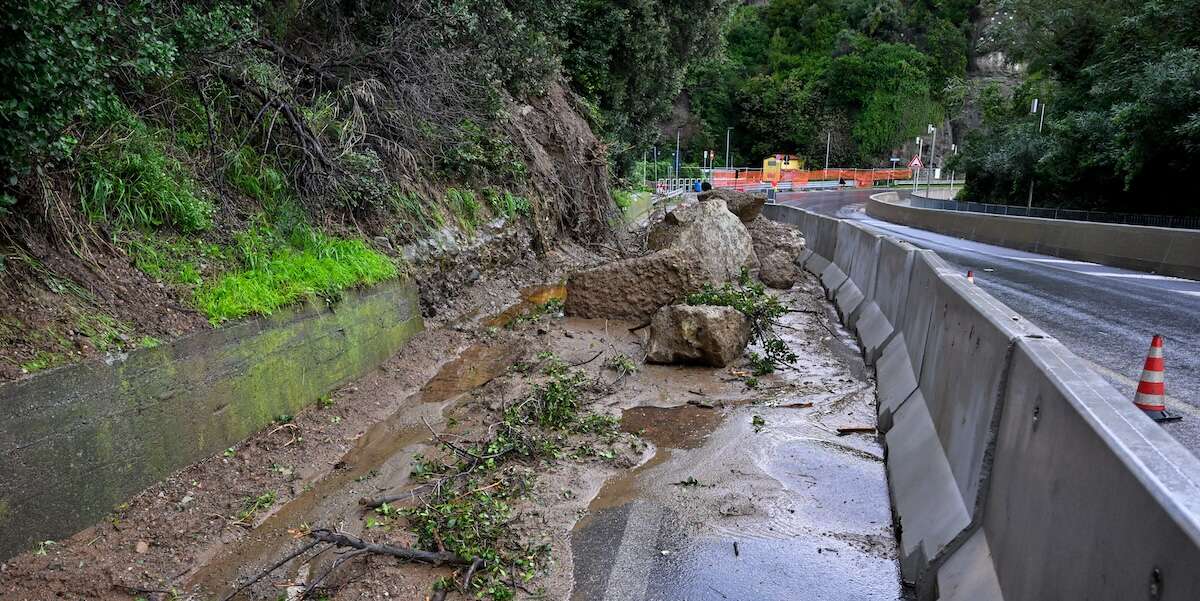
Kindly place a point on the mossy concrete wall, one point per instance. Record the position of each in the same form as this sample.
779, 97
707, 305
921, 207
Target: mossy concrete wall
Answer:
79, 440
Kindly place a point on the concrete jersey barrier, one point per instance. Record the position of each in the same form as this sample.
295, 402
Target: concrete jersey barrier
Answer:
1160, 250
1015, 471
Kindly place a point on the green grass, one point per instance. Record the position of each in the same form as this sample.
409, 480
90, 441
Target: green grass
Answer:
280, 275
466, 207
43, 360
506, 203
128, 178
417, 218
623, 198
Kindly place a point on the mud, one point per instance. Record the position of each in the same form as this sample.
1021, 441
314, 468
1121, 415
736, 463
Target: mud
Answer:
656, 517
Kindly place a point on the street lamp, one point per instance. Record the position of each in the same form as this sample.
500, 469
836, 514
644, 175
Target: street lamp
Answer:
932, 149
953, 149
917, 176
727, 130
1033, 110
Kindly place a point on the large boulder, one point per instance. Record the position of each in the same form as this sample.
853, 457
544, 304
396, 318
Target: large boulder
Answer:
635, 288
745, 205
701, 334
777, 246
712, 232
771, 236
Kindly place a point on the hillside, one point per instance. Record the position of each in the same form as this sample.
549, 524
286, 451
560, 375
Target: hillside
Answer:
170, 166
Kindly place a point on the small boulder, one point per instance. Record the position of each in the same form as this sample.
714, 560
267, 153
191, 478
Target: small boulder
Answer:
778, 270
700, 334
745, 205
716, 236
635, 288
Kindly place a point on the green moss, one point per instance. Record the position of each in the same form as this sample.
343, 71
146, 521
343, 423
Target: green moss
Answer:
277, 277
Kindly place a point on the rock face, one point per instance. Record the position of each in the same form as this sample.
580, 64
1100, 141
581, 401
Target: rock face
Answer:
716, 236
745, 205
777, 246
635, 288
701, 334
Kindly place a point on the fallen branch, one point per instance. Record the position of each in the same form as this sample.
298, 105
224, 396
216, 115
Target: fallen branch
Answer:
855, 429
476, 564
278, 564
341, 539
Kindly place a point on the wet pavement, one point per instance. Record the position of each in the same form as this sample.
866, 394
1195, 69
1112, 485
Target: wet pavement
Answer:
730, 507
1106, 315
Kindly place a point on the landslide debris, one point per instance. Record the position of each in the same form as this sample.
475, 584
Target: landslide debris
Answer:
747, 206
704, 335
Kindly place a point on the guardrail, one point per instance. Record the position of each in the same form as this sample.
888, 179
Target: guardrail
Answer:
1168, 221
1144, 248
1016, 472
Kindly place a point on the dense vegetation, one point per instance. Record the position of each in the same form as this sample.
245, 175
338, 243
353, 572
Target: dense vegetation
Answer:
870, 73
247, 154
1121, 81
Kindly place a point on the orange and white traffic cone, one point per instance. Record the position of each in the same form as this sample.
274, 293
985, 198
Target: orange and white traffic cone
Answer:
1151, 389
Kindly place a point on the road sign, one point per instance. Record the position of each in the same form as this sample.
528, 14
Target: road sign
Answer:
915, 163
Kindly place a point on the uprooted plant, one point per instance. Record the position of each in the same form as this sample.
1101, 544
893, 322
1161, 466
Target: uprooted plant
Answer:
461, 510
762, 309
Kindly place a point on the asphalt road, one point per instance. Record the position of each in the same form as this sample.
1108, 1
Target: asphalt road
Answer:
1104, 314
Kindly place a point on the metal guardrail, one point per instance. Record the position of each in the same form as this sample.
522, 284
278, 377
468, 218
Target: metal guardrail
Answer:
1168, 221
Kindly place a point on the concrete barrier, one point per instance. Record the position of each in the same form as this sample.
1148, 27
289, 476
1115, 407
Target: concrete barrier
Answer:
1015, 471
1088, 498
79, 440
1161, 250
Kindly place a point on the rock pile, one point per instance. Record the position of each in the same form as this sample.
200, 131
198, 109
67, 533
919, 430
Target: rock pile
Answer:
708, 242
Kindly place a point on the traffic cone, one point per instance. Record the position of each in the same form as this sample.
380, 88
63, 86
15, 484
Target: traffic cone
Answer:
1150, 390
971, 276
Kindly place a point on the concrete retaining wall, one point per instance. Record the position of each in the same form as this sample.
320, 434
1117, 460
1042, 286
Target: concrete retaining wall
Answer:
1154, 249
79, 440
1016, 472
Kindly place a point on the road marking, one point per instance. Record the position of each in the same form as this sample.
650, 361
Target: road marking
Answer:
1136, 276
1041, 260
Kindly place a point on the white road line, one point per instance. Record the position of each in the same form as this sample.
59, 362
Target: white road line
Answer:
1041, 260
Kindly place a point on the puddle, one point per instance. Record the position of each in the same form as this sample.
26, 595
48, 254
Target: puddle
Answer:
684, 427
532, 299
380, 459
475, 367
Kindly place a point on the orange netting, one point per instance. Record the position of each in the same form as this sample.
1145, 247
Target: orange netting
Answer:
741, 179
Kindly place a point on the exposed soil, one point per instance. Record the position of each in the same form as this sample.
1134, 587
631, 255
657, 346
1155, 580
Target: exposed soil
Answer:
180, 539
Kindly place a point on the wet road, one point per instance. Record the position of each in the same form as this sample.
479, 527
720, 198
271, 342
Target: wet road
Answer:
1104, 314
755, 497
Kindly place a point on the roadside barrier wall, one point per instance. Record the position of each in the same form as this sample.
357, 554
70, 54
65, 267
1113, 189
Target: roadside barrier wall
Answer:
1160, 250
1015, 471
79, 440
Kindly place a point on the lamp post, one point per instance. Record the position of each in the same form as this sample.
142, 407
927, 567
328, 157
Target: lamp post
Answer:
828, 140
917, 175
953, 149
932, 149
1033, 110
727, 130
677, 161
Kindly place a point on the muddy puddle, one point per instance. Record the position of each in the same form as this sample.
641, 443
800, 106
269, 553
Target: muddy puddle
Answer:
532, 300
379, 461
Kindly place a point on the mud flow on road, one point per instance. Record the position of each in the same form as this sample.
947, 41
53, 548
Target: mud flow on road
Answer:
750, 493
712, 485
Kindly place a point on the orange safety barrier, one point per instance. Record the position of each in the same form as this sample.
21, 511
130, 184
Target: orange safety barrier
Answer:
742, 179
